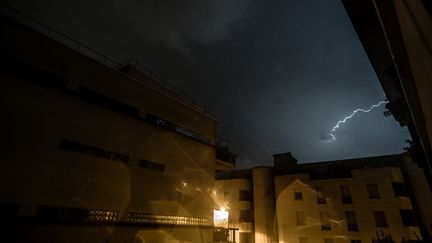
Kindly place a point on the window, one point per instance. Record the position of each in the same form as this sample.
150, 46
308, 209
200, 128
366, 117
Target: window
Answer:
245, 216
106, 101
351, 221
400, 189
328, 241
298, 196
157, 121
246, 237
244, 195
408, 217
373, 191
380, 219
300, 216
325, 221
76, 147
321, 199
303, 240
151, 165
346, 194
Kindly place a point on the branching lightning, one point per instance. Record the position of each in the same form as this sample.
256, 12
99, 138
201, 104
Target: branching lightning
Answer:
333, 137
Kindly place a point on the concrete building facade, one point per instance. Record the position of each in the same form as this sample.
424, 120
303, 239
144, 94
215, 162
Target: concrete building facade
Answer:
93, 153
338, 201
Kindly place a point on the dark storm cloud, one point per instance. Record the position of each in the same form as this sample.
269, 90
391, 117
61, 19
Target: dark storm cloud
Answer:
276, 74
181, 23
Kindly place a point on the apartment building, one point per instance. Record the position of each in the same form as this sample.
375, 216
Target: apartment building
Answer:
346, 201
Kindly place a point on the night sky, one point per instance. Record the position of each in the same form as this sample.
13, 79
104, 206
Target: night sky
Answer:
277, 75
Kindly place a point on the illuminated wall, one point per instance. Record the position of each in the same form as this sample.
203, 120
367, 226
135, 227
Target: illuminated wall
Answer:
315, 220
235, 195
331, 202
98, 150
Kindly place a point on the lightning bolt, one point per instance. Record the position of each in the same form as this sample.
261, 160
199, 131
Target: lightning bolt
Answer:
333, 137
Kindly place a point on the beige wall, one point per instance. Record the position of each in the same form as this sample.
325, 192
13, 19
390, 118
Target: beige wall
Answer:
228, 196
363, 207
106, 234
35, 171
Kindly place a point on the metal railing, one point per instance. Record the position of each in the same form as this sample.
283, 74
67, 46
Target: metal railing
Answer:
55, 34
173, 91
68, 41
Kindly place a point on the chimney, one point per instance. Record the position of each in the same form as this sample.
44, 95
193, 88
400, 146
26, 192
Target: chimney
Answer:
284, 161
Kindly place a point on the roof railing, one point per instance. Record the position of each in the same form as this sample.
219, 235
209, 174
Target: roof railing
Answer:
52, 33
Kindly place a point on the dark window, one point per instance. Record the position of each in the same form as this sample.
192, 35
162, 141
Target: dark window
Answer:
428, 6
321, 199
373, 191
245, 216
351, 221
8, 211
151, 165
400, 189
408, 217
244, 195
302, 240
220, 235
380, 219
301, 220
223, 154
32, 73
106, 101
298, 196
346, 194
246, 237
92, 150
325, 221
120, 157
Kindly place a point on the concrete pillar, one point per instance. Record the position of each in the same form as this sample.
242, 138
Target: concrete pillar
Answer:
264, 205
